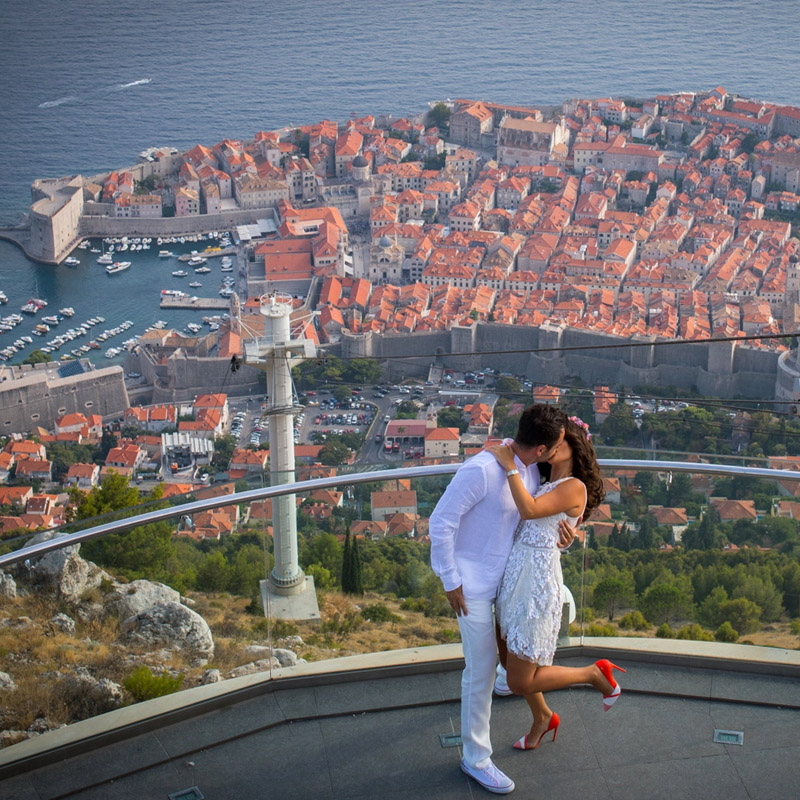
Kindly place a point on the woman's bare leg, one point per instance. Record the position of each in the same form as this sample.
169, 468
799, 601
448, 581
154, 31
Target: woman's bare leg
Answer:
502, 650
525, 678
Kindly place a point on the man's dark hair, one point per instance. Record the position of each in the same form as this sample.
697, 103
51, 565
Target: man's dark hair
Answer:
540, 424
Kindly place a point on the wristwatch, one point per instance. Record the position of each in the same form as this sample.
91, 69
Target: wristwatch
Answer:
511, 472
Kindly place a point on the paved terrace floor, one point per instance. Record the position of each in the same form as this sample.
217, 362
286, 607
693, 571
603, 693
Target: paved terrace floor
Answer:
376, 733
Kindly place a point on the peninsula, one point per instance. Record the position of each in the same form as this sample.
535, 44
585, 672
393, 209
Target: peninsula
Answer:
481, 227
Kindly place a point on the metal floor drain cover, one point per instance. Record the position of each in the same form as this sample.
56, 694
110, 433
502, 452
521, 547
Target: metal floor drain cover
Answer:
192, 793
450, 739
728, 737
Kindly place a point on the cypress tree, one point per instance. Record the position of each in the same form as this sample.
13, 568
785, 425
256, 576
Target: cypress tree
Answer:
347, 564
355, 557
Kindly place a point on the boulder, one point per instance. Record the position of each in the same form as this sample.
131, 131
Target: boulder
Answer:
64, 570
286, 658
8, 586
170, 625
263, 665
86, 696
7, 682
130, 599
63, 623
211, 676
258, 650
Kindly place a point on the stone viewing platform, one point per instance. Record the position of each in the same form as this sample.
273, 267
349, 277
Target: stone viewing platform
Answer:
170, 301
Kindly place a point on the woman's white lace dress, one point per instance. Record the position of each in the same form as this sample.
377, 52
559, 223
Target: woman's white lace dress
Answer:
528, 606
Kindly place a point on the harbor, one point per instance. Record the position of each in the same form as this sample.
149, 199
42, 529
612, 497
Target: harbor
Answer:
88, 290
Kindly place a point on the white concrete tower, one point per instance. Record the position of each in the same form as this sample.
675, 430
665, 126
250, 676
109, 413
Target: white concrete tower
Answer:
289, 593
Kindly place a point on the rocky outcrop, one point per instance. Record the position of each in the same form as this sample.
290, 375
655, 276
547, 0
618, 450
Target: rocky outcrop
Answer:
130, 599
64, 570
170, 625
8, 586
63, 624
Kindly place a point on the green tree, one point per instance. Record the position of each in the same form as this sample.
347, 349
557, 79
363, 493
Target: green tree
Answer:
438, 116
579, 403
507, 385
214, 573
743, 614
619, 426
701, 536
37, 357
223, 451
107, 442
347, 564
357, 578
342, 394
611, 594
140, 552
450, 417
334, 453
665, 602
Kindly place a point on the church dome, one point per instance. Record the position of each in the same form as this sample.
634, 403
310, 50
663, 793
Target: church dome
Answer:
360, 161
385, 241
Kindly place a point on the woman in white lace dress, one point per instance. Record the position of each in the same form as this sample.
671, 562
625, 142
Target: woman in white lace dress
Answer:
528, 606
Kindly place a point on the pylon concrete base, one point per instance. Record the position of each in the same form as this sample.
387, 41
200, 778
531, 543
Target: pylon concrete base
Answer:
302, 605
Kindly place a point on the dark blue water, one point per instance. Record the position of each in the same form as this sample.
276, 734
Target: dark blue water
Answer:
87, 85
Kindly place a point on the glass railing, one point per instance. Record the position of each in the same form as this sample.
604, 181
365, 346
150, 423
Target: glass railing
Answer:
178, 593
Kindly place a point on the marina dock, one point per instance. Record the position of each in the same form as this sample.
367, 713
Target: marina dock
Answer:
169, 301
228, 251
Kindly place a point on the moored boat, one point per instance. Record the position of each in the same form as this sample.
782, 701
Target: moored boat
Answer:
117, 266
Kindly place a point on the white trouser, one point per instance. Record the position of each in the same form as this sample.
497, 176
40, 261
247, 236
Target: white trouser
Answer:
480, 655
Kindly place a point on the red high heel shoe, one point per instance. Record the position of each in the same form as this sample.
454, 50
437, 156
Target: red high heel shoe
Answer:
606, 667
523, 743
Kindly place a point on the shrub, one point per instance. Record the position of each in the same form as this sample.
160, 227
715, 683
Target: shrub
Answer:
447, 635
634, 621
413, 604
695, 633
665, 632
726, 633
378, 612
600, 630
794, 627
144, 685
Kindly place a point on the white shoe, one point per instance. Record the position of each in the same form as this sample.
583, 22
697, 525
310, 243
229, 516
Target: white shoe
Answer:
501, 686
490, 778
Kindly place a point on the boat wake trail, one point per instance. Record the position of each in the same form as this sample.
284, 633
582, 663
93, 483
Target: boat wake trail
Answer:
60, 102
121, 86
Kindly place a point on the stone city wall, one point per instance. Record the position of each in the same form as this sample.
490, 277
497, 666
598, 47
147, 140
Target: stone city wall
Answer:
723, 368
40, 397
91, 225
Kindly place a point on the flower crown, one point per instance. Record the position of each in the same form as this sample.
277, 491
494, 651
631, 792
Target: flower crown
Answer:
581, 424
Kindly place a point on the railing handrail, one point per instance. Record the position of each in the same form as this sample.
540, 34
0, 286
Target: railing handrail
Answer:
266, 492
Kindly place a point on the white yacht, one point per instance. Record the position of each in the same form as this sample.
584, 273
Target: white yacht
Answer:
105, 259
117, 266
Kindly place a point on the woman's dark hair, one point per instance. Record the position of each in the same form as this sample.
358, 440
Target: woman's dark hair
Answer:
584, 466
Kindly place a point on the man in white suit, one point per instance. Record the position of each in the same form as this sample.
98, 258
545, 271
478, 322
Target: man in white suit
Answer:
472, 530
